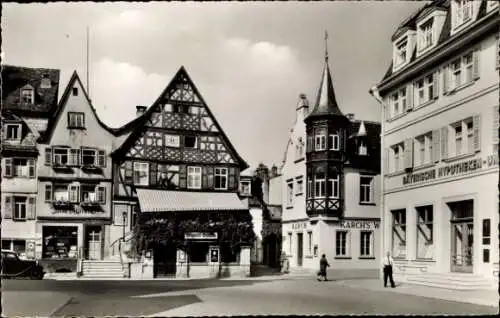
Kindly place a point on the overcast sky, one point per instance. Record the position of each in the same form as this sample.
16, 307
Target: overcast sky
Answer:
250, 61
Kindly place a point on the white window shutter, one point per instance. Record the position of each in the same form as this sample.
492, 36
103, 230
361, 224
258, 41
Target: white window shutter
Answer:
446, 73
409, 97
372, 190
476, 125
435, 146
408, 158
444, 142
435, 89
496, 123
8, 207
475, 66
31, 213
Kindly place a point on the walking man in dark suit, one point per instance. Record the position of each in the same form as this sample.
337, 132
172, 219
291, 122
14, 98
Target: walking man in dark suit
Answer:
387, 265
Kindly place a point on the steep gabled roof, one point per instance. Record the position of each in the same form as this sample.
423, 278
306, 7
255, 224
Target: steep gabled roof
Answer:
137, 125
54, 119
16, 77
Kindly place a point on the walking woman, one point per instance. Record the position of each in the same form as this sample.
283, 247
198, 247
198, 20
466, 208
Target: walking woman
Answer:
323, 264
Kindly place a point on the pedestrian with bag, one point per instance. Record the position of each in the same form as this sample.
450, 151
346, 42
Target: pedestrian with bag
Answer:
323, 264
387, 267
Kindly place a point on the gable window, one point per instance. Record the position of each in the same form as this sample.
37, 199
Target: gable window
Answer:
141, 173
76, 120
319, 183
400, 52
426, 36
333, 186
289, 193
366, 189
341, 244
320, 139
425, 89
334, 142
194, 178
60, 156
13, 131
398, 102
462, 12
425, 232
190, 141
399, 233
366, 243
181, 109
220, 178
27, 95
89, 157
172, 141
20, 208
75, 91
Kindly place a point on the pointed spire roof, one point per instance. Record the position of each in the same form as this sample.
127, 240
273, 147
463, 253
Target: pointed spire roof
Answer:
361, 130
326, 104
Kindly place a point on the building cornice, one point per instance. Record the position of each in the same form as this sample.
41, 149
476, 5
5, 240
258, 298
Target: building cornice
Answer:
440, 52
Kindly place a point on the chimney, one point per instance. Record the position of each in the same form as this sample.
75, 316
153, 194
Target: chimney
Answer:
45, 83
350, 116
263, 173
302, 106
140, 110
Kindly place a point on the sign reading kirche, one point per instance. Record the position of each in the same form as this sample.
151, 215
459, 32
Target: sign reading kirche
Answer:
454, 169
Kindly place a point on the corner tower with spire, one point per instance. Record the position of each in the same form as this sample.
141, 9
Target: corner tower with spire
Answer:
326, 129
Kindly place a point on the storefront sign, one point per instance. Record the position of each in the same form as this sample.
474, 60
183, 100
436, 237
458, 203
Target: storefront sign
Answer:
366, 225
299, 226
454, 169
200, 236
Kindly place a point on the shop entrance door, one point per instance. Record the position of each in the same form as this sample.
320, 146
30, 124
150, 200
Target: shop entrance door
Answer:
300, 249
165, 260
94, 242
462, 236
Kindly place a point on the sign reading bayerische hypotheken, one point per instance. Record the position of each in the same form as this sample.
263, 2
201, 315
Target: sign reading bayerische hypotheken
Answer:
451, 170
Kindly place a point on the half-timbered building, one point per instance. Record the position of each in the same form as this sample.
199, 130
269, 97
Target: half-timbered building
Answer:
176, 177
29, 97
74, 183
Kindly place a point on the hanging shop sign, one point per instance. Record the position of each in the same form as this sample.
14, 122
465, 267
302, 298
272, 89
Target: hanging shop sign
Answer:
200, 236
299, 226
451, 170
359, 224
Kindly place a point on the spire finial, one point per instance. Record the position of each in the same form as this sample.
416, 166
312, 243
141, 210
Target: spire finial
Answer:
326, 46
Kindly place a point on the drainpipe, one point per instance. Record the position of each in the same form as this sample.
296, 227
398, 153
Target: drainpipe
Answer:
375, 94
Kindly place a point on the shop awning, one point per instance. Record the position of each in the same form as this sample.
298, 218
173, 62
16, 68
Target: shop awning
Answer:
151, 200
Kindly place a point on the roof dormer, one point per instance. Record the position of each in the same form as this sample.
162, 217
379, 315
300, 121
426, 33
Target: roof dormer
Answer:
27, 94
463, 14
429, 25
403, 46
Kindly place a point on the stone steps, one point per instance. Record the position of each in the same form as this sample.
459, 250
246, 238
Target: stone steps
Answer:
102, 269
456, 281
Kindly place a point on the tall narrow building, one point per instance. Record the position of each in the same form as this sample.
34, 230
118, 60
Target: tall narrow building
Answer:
337, 215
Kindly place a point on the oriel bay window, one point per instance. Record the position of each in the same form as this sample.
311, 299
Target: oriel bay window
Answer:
334, 142
220, 178
333, 186
399, 233
141, 173
320, 139
425, 233
319, 183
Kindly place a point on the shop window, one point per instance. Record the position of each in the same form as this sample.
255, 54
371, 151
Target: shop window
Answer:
198, 252
425, 232
399, 233
228, 254
59, 242
342, 244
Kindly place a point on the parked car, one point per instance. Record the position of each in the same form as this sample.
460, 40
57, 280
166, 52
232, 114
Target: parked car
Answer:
13, 266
